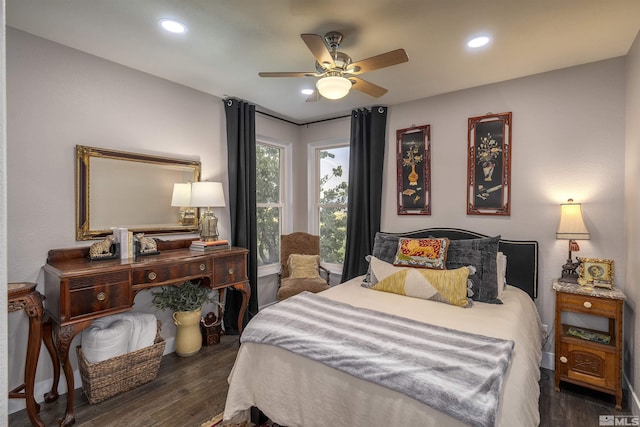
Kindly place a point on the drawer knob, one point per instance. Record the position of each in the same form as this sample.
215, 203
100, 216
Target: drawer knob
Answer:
152, 275
563, 359
203, 267
101, 296
231, 271
587, 304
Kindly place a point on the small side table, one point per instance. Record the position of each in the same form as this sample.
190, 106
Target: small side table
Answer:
587, 357
23, 296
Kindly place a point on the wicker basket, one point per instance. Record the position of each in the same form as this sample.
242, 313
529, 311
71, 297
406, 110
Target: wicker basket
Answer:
110, 377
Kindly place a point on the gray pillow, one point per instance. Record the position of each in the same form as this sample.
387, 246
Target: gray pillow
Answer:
481, 253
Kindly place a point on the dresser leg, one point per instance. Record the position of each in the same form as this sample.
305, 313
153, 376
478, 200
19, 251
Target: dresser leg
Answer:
64, 338
47, 337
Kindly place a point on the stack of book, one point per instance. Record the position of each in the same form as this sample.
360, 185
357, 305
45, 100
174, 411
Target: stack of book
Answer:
216, 245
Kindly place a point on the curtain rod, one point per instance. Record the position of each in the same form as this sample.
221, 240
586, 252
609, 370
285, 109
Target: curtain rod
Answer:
300, 124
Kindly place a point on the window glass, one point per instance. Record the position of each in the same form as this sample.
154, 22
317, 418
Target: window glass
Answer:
333, 176
269, 178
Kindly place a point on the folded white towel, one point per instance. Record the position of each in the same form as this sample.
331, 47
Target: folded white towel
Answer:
106, 339
118, 334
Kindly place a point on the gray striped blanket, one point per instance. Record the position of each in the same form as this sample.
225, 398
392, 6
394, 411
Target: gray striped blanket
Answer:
455, 372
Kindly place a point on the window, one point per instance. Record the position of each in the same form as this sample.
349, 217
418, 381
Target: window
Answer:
269, 201
331, 190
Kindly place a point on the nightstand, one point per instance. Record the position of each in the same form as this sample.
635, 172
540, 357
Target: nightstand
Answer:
584, 356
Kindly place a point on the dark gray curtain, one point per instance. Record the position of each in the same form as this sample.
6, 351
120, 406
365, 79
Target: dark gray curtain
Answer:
241, 149
366, 160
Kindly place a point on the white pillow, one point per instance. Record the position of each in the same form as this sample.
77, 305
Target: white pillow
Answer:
501, 262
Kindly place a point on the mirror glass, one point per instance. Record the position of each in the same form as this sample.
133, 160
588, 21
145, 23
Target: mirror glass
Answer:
120, 189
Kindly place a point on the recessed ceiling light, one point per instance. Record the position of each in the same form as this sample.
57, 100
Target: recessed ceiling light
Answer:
307, 91
173, 26
478, 41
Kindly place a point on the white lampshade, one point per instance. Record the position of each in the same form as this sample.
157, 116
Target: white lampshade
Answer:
181, 194
333, 87
207, 195
571, 223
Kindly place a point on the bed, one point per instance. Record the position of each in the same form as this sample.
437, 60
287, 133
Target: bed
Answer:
293, 389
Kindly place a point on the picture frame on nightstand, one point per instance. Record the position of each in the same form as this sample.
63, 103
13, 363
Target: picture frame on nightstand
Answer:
596, 272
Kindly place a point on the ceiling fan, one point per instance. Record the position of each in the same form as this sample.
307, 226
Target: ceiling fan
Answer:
337, 72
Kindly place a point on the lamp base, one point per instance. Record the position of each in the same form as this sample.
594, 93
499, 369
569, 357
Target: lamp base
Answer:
208, 226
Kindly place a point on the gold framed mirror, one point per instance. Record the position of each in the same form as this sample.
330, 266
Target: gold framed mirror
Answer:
130, 190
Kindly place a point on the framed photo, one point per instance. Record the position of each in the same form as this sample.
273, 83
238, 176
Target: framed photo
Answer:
414, 170
598, 272
489, 165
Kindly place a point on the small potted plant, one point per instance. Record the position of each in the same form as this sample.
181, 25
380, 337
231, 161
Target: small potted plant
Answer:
186, 302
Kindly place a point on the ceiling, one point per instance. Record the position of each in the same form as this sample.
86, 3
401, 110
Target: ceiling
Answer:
229, 41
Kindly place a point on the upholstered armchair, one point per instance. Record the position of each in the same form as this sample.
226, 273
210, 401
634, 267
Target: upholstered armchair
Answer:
300, 268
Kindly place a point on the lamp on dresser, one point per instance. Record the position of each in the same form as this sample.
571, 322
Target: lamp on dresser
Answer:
571, 228
181, 198
207, 195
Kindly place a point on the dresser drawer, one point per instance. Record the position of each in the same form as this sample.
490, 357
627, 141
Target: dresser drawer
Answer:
229, 269
586, 304
98, 294
178, 272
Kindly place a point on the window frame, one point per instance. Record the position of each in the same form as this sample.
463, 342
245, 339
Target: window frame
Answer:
313, 189
286, 168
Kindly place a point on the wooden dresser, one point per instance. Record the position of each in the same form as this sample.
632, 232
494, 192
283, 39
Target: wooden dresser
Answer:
79, 291
583, 357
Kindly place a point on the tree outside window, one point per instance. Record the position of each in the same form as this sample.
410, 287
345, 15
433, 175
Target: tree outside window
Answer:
269, 202
332, 202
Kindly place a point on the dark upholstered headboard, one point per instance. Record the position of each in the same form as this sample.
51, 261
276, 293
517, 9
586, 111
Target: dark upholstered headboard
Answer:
522, 255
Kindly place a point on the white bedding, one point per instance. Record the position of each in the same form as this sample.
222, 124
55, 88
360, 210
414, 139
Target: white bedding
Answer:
294, 391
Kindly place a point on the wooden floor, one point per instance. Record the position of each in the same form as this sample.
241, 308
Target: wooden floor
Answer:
190, 391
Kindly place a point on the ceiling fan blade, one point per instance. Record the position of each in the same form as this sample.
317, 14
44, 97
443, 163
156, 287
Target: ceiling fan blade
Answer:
318, 48
367, 87
288, 74
394, 57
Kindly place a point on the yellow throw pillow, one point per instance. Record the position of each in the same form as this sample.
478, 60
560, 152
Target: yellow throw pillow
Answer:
448, 286
303, 266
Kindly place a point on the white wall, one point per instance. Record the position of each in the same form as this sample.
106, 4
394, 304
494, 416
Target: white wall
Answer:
632, 221
58, 97
3, 223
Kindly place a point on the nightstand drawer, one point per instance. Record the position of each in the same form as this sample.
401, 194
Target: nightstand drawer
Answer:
98, 298
589, 365
587, 304
229, 269
171, 272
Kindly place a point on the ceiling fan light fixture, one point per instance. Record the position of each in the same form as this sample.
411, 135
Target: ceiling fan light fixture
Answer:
479, 41
333, 87
173, 26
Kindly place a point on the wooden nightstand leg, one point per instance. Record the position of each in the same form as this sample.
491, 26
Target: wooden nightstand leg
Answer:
619, 401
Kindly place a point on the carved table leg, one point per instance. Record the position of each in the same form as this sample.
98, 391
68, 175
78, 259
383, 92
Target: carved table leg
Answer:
246, 293
47, 337
34, 310
23, 296
64, 337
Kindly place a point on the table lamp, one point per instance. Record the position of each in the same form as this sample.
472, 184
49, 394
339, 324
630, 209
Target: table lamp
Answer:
181, 198
571, 227
207, 195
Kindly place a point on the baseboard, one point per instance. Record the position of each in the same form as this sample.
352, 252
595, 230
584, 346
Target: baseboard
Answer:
40, 388
634, 402
548, 360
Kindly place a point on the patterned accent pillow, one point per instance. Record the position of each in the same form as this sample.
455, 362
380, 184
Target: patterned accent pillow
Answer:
425, 253
303, 266
448, 286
